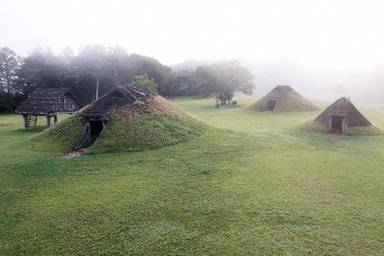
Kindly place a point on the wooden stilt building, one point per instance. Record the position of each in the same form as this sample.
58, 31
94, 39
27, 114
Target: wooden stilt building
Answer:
48, 102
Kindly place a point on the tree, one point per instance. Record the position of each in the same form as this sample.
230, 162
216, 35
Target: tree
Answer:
187, 65
162, 75
118, 58
9, 65
224, 78
68, 73
9, 101
93, 72
96, 70
41, 69
143, 80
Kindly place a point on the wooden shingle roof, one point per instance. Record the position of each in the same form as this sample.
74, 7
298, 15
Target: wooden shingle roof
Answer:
49, 101
102, 108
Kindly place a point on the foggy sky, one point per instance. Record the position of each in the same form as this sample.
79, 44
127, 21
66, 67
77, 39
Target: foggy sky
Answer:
306, 37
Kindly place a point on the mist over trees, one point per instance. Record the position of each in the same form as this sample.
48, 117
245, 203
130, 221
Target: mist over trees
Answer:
224, 78
187, 65
105, 68
93, 67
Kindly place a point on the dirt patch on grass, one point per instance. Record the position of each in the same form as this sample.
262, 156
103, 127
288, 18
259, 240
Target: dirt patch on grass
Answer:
73, 154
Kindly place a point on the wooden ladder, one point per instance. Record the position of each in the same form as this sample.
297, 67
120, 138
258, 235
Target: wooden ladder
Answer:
32, 119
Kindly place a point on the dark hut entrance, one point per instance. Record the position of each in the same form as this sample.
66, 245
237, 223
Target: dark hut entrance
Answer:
91, 132
98, 114
271, 105
336, 125
96, 127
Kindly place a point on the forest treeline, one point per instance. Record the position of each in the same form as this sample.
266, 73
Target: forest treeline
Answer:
111, 67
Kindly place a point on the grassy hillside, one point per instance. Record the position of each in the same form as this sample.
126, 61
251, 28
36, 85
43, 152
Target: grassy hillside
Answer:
62, 137
252, 184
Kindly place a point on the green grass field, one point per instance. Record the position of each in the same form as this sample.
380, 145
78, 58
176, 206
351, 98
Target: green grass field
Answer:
253, 184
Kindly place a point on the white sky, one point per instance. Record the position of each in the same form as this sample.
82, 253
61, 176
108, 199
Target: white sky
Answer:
330, 33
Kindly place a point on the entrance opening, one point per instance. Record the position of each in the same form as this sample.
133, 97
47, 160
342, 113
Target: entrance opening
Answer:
336, 125
96, 127
271, 105
90, 133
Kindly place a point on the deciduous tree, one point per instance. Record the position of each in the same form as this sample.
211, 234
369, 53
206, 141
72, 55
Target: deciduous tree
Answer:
40, 69
93, 72
9, 65
224, 78
162, 75
143, 80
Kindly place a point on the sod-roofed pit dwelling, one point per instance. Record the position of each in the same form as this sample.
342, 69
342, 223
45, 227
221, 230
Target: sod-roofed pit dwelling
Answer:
98, 113
283, 99
340, 116
126, 119
48, 102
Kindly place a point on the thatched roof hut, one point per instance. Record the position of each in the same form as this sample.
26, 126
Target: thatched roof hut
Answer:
342, 115
48, 102
285, 99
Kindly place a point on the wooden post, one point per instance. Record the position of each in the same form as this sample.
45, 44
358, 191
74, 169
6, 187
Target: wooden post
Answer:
97, 89
54, 119
48, 121
25, 121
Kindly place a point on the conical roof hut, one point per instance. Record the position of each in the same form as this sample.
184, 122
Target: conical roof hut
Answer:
342, 115
284, 99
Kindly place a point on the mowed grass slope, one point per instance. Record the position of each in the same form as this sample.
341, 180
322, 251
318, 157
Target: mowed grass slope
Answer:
253, 184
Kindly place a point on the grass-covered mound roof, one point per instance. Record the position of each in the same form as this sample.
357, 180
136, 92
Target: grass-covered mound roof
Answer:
149, 123
283, 99
152, 124
342, 117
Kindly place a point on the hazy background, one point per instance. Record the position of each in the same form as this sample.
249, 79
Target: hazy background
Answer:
323, 49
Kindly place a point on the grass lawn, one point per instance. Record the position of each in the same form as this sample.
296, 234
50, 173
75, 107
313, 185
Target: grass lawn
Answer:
253, 184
